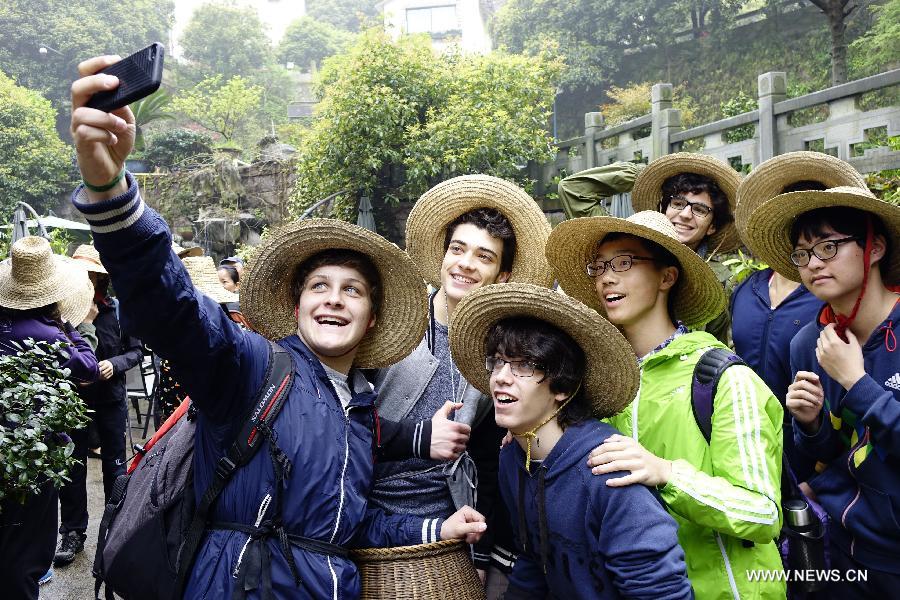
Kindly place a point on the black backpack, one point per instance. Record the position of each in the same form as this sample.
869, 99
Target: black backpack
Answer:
800, 550
152, 526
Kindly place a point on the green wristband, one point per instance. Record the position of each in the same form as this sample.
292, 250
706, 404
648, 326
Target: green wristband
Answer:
105, 188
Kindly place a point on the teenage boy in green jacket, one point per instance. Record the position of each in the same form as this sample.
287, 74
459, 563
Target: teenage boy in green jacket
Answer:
725, 494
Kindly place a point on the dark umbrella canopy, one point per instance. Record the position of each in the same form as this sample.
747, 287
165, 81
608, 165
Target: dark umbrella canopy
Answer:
20, 222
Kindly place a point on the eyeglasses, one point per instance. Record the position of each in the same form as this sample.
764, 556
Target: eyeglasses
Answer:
619, 264
519, 368
679, 203
825, 250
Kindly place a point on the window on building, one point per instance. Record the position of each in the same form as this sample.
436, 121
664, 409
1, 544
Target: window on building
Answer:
431, 19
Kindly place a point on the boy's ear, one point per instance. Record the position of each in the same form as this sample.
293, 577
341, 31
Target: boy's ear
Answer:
669, 278
879, 249
503, 277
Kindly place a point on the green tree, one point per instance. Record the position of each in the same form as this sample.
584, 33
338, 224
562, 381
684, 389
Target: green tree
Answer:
348, 15
220, 108
838, 13
147, 110
226, 40
33, 160
307, 40
72, 32
396, 118
879, 48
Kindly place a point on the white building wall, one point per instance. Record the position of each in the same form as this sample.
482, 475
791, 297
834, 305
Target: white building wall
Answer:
464, 26
276, 15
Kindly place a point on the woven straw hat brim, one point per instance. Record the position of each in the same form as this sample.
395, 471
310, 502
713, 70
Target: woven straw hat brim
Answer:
89, 258
39, 278
768, 179
205, 278
611, 375
769, 227
647, 191
443, 203
186, 252
266, 290
697, 297
74, 307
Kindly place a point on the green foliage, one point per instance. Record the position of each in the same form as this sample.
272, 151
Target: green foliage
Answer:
879, 48
38, 404
178, 148
740, 104
742, 266
885, 185
77, 30
396, 118
33, 160
633, 101
349, 15
221, 108
307, 40
225, 40
146, 111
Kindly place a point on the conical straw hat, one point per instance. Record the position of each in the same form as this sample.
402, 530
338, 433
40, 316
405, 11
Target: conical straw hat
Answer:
33, 276
75, 307
203, 274
88, 255
697, 297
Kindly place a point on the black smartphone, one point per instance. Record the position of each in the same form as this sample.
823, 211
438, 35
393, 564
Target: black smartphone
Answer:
139, 76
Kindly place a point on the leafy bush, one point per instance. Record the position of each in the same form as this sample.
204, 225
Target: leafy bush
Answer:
33, 160
740, 104
178, 147
38, 405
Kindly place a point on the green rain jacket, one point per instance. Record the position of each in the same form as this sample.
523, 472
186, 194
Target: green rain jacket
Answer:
725, 494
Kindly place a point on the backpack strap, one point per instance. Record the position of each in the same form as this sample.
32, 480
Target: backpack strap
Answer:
707, 373
269, 400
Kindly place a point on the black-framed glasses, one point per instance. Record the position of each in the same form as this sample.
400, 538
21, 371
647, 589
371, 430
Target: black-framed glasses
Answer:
519, 368
824, 250
619, 264
679, 203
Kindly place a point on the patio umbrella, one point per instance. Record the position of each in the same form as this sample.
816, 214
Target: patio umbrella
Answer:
365, 217
21, 224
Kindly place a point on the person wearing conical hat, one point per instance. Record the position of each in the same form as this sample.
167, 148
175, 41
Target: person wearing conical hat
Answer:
41, 298
552, 367
725, 493
768, 309
117, 351
465, 233
841, 244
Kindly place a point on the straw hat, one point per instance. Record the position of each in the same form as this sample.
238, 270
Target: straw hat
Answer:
611, 373
442, 204
33, 276
185, 252
266, 291
203, 274
89, 258
697, 297
75, 307
769, 227
647, 191
768, 180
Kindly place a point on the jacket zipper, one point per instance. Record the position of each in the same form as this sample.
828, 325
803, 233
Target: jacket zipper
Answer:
728, 571
853, 449
260, 513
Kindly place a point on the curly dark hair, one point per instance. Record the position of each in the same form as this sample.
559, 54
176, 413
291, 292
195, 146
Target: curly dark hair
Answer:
496, 224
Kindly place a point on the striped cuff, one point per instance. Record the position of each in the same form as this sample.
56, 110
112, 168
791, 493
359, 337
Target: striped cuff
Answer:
421, 441
431, 530
114, 214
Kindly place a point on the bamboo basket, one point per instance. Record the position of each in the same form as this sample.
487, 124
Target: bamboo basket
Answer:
442, 570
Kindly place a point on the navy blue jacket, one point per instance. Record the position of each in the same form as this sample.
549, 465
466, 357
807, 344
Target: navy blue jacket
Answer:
859, 442
582, 538
221, 366
762, 337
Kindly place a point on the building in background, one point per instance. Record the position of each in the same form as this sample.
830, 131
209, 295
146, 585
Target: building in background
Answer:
276, 15
448, 22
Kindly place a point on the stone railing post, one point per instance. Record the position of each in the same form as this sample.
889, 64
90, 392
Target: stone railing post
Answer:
660, 101
669, 124
593, 122
771, 88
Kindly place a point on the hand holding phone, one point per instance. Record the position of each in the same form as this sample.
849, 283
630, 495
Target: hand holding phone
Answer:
140, 74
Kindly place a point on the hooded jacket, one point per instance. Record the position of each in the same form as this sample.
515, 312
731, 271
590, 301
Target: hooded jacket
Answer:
578, 537
762, 337
221, 366
725, 494
859, 443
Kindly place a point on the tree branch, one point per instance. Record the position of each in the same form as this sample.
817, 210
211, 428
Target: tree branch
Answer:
823, 6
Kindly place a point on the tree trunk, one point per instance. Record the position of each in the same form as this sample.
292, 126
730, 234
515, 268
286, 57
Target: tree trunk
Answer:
837, 14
